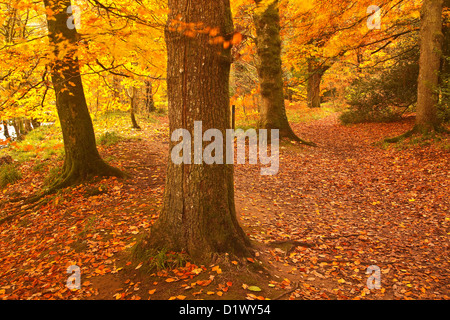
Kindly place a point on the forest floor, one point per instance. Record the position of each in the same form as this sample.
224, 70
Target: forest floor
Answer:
330, 213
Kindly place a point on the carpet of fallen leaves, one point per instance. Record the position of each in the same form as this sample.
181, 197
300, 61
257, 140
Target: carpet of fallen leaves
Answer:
329, 213
353, 204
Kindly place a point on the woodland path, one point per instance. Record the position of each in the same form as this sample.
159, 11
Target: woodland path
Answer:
334, 209
361, 205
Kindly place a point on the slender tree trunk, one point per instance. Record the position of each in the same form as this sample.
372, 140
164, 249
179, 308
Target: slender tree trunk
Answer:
17, 128
82, 159
133, 99
27, 125
268, 42
431, 39
149, 101
313, 87
35, 123
5, 129
198, 214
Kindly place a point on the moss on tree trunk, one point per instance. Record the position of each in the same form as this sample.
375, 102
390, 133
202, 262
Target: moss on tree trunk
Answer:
268, 44
431, 44
431, 39
82, 159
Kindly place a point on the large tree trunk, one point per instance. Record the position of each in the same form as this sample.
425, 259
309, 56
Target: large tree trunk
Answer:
268, 42
313, 88
198, 214
82, 159
431, 39
445, 62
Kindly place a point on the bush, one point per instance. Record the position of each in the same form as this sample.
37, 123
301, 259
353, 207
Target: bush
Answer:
9, 175
385, 95
109, 138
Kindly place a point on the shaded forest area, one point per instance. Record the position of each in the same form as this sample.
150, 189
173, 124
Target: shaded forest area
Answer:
354, 96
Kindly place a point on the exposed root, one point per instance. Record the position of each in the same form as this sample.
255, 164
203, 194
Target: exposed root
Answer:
68, 178
400, 137
292, 136
36, 201
417, 130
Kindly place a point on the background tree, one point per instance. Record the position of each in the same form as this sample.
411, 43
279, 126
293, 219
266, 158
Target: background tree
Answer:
268, 44
82, 159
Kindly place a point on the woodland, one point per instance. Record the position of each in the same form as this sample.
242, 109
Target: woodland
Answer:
355, 96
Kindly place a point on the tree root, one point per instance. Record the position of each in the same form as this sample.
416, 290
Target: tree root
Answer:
400, 137
292, 136
417, 130
68, 178
36, 201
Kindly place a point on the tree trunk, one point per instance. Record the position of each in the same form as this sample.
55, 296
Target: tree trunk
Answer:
5, 129
17, 128
198, 214
27, 125
149, 101
35, 123
82, 159
313, 88
133, 99
431, 39
268, 43
445, 62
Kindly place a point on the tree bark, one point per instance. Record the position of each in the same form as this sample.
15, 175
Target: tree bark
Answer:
82, 159
198, 214
268, 43
133, 99
35, 123
27, 125
313, 87
431, 39
149, 101
445, 63
5, 129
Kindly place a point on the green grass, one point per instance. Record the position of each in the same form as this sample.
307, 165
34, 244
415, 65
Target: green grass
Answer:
9, 174
41, 143
309, 115
109, 138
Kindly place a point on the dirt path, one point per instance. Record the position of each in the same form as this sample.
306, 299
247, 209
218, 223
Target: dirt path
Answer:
334, 210
360, 205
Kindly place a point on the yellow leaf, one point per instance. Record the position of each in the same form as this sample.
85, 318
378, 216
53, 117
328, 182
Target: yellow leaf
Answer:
151, 291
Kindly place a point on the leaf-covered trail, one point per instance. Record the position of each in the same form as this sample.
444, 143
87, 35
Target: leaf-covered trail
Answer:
347, 203
359, 205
